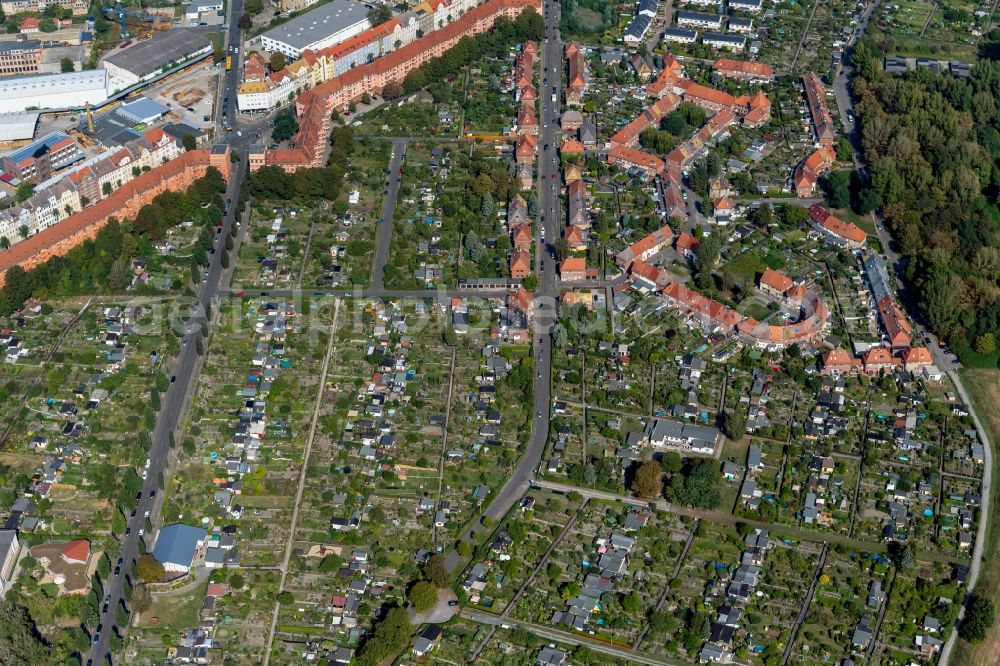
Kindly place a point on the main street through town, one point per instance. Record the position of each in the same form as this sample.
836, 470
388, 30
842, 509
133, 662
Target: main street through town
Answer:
183, 371
185, 367
546, 302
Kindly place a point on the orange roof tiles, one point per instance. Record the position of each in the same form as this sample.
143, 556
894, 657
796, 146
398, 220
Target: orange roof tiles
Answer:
573, 265
620, 154
360, 40
315, 99
776, 280
522, 233
576, 66
836, 358
686, 242
77, 551
744, 68
526, 146
700, 94
35, 245
574, 235
572, 147
520, 262
526, 116
649, 273
894, 320
835, 225
519, 299
816, 101
722, 203
917, 356
878, 356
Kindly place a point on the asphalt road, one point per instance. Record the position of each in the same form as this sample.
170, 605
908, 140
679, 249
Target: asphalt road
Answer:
172, 404
388, 210
945, 361
546, 296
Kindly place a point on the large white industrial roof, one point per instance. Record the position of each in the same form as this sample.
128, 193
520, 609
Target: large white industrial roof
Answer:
18, 126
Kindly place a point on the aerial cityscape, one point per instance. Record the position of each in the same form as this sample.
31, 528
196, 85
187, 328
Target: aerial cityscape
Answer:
495, 332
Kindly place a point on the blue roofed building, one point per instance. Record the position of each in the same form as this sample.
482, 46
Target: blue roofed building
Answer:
176, 546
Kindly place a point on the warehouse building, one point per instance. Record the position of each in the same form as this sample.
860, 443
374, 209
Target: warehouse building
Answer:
317, 29
141, 111
144, 60
17, 127
53, 91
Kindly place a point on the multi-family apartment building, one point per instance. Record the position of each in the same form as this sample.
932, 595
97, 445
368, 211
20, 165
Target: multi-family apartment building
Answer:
11, 7
59, 197
20, 57
124, 203
336, 92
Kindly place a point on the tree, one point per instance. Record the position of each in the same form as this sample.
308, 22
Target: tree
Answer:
331, 563
277, 61
734, 423
701, 485
487, 207
148, 569
245, 23
379, 14
985, 344
794, 216
392, 90
25, 190
20, 642
423, 596
569, 590
979, 617
66, 65
648, 481
285, 125
671, 462
22, 231
4, 243
285, 598
706, 255
189, 141
436, 572
254, 7
901, 555
388, 638
838, 186
632, 603
236, 581
106, 189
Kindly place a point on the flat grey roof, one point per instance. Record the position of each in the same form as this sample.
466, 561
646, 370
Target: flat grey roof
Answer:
163, 48
314, 25
699, 16
720, 37
18, 126
17, 45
